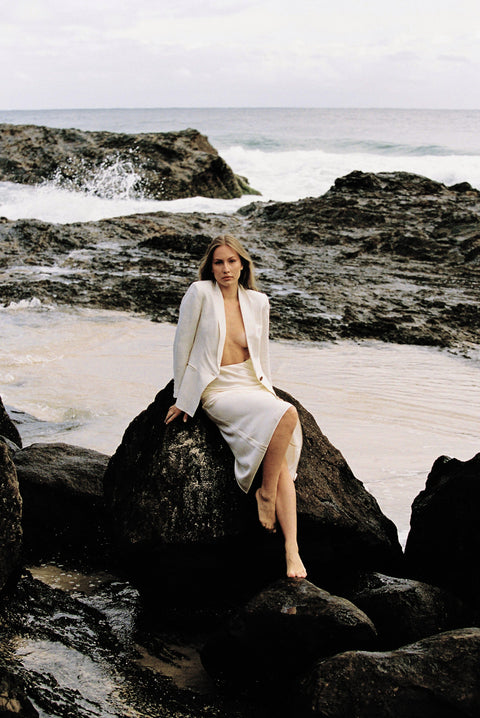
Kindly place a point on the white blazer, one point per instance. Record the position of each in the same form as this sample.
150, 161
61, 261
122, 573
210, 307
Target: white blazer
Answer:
200, 339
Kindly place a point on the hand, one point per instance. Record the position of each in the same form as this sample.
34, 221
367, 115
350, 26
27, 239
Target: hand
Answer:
172, 414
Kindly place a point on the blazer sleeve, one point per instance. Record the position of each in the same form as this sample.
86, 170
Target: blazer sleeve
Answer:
189, 316
265, 340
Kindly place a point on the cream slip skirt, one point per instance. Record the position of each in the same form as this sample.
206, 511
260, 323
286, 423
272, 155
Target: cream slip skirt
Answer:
247, 414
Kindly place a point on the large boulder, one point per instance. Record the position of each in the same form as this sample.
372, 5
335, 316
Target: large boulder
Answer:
7, 427
437, 677
179, 517
10, 516
444, 540
161, 165
282, 631
404, 610
62, 491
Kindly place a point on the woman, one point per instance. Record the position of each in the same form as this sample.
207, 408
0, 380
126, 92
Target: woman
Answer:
221, 360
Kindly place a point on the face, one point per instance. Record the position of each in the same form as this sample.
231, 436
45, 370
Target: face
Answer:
226, 266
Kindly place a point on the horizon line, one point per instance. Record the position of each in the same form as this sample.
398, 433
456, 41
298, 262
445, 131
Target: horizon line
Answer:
242, 107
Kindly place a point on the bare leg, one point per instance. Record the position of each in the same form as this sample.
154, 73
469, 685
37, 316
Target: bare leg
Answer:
272, 464
286, 507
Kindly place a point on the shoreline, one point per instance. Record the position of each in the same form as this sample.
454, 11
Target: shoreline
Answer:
372, 399
392, 256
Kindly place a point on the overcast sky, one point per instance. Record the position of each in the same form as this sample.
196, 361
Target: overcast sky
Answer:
239, 53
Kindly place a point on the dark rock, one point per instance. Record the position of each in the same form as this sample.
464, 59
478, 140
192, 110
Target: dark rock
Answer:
10, 517
438, 677
404, 610
178, 513
11, 446
13, 700
462, 187
7, 427
72, 655
444, 540
166, 165
282, 631
63, 508
390, 256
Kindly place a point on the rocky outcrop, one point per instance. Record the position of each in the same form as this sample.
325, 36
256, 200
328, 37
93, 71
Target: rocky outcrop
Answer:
63, 483
177, 511
389, 256
282, 631
438, 676
13, 700
404, 610
444, 539
10, 517
7, 427
160, 165
192, 542
77, 654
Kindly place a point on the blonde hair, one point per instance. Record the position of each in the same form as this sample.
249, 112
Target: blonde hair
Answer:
247, 275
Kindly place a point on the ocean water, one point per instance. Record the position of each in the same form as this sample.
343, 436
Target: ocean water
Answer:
391, 410
286, 154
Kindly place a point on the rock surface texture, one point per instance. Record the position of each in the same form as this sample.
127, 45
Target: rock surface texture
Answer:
166, 165
282, 631
65, 484
444, 540
390, 256
404, 610
10, 517
436, 677
13, 700
7, 427
177, 511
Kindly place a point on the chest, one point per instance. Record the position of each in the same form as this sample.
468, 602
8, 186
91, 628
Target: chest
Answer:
235, 327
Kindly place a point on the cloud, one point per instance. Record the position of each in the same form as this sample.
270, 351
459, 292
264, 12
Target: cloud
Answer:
240, 52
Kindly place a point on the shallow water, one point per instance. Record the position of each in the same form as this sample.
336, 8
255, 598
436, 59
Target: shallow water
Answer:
391, 410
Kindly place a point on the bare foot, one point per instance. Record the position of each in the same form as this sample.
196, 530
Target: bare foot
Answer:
295, 567
266, 511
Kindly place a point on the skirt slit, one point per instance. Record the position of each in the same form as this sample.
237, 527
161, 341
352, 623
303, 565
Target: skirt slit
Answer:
247, 414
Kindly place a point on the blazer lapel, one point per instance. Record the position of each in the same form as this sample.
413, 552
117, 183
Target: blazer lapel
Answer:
222, 324
248, 320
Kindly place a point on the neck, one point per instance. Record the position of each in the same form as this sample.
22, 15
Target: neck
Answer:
229, 292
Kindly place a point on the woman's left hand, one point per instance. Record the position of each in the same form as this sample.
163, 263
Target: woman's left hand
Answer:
172, 414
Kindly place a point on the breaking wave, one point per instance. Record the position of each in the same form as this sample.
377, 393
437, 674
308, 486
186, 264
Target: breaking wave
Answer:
114, 178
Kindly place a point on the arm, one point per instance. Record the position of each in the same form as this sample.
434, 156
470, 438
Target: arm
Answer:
189, 315
190, 310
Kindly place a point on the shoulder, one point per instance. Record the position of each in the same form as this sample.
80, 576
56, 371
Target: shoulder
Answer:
200, 288
258, 298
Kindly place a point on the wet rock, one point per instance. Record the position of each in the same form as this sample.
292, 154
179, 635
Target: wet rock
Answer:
282, 631
62, 491
13, 701
74, 659
7, 427
177, 512
390, 256
404, 610
444, 539
10, 517
161, 165
436, 677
